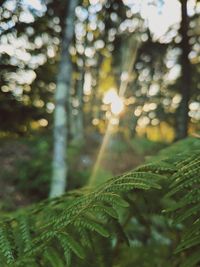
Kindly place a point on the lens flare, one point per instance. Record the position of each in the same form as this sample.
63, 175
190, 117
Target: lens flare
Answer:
117, 106
116, 103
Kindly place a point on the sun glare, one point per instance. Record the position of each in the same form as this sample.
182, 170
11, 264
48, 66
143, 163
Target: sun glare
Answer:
116, 103
117, 106
160, 15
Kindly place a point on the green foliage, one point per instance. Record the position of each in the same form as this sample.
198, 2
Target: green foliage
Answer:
36, 168
65, 220
102, 175
64, 231
185, 210
150, 256
144, 146
30, 166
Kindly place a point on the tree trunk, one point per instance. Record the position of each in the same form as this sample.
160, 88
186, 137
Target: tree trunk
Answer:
182, 114
77, 122
59, 178
76, 118
79, 119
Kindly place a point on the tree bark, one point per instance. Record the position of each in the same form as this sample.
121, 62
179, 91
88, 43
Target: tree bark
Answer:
182, 114
76, 119
79, 136
59, 177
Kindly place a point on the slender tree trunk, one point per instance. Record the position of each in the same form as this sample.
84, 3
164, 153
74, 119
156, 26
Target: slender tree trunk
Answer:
182, 114
71, 116
79, 119
76, 119
59, 178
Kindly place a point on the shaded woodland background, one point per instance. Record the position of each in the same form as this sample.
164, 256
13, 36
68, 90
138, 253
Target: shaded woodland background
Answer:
120, 70
90, 89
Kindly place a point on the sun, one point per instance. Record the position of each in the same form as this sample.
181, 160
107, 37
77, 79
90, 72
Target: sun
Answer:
114, 100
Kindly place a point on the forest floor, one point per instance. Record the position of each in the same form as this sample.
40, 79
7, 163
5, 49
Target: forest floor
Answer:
25, 165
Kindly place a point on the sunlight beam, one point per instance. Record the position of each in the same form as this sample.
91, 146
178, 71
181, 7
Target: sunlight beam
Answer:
116, 102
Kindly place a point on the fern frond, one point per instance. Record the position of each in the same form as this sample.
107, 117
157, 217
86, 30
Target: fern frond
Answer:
185, 190
5, 246
52, 258
74, 216
67, 243
91, 225
192, 260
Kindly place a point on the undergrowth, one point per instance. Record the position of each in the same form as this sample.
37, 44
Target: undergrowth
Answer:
62, 231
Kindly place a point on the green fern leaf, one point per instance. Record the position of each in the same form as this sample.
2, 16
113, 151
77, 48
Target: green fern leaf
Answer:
68, 242
193, 260
52, 258
5, 247
92, 225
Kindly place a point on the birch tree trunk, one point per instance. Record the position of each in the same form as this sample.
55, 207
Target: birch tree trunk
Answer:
59, 176
182, 114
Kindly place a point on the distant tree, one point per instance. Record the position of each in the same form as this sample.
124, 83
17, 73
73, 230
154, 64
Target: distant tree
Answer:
28, 60
78, 118
59, 177
185, 86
